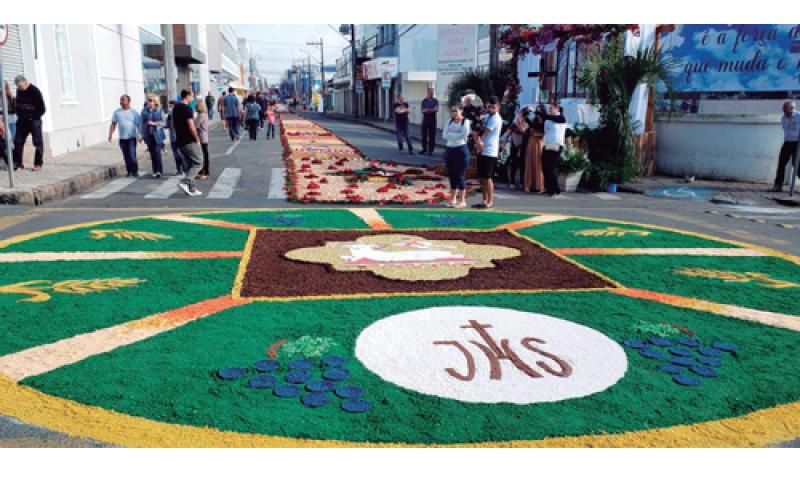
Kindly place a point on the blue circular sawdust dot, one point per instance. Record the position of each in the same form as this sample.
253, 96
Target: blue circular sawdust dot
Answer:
682, 361
264, 366
262, 381
709, 352
298, 376
689, 342
651, 353
356, 405
635, 343
286, 391
686, 380
320, 386
704, 371
661, 341
231, 373
681, 352
301, 364
317, 399
334, 361
671, 368
726, 346
336, 374
348, 391
710, 361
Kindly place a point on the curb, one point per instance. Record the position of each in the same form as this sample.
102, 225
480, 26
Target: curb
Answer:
60, 190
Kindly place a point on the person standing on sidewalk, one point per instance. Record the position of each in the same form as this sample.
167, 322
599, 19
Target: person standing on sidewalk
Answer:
129, 123
790, 121
210, 105
401, 123
456, 132
3, 139
555, 127
202, 132
29, 105
221, 109
488, 142
252, 115
261, 99
430, 106
188, 142
270, 121
232, 114
153, 133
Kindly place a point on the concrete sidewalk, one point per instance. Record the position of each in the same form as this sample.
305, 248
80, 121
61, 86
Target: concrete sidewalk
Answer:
71, 173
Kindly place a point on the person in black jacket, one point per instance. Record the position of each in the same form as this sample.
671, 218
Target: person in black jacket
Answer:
30, 108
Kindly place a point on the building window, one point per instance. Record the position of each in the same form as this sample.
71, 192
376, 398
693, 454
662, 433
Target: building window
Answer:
64, 64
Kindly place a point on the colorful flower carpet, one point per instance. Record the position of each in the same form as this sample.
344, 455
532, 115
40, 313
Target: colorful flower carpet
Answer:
397, 327
322, 167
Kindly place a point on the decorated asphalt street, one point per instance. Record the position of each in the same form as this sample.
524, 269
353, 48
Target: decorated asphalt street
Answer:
246, 320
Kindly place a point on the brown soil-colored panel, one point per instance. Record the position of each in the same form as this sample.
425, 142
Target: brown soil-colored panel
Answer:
270, 274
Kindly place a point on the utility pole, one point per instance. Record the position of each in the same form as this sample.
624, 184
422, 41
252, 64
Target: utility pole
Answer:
353, 60
169, 62
321, 46
494, 55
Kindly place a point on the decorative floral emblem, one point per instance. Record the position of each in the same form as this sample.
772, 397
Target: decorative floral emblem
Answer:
762, 279
611, 232
405, 257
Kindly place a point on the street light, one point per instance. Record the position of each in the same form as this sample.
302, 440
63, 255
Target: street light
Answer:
321, 68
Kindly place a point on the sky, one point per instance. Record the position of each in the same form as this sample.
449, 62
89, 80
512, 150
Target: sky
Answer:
277, 46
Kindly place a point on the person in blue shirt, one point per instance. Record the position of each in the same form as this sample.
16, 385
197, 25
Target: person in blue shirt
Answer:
790, 122
129, 123
232, 113
252, 112
430, 107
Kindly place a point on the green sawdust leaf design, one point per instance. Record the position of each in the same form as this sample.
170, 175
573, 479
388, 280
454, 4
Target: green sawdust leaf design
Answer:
307, 346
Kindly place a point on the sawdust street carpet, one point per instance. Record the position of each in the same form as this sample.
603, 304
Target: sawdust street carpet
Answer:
392, 327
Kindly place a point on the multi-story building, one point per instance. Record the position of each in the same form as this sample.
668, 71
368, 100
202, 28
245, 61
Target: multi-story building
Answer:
81, 71
223, 56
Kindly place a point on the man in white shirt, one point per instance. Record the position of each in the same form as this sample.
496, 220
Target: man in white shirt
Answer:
790, 121
129, 123
554, 133
490, 140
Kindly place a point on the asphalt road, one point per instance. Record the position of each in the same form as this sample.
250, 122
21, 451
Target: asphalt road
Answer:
248, 174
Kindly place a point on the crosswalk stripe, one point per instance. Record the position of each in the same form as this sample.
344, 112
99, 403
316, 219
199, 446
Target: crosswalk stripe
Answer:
113, 187
223, 188
607, 196
166, 189
276, 183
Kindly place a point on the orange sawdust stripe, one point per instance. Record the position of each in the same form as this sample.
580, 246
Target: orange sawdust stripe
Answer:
45, 358
371, 217
80, 256
781, 320
273, 349
529, 222
710, 252
206, 221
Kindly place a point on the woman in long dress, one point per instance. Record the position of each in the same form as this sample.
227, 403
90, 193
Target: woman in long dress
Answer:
534, 176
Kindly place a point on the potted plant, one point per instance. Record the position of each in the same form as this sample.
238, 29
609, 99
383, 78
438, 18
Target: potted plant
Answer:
574, 162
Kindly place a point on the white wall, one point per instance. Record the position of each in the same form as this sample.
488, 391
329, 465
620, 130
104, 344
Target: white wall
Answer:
417, 49
732, 148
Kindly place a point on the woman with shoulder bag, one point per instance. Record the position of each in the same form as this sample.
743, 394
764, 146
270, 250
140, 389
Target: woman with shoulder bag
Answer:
153, 121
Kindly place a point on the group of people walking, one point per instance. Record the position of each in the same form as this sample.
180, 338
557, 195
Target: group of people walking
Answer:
187, 122
256, 110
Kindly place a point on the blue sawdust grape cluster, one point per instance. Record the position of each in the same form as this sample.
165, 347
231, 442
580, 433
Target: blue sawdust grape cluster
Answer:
688, 361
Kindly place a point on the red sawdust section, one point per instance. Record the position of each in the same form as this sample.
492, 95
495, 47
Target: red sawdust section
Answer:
270, 274
44, 358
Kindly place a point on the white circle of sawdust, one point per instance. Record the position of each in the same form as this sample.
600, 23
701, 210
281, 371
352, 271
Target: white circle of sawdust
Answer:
429, 351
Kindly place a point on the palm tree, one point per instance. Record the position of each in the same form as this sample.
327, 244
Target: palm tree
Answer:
482, 82
609, 78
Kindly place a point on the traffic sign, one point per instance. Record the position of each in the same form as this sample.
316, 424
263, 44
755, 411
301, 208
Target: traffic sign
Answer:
3, 34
